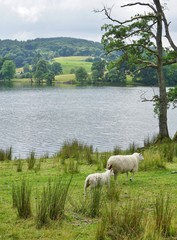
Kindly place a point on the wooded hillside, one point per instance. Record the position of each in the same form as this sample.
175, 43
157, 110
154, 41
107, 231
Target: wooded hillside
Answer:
24, 52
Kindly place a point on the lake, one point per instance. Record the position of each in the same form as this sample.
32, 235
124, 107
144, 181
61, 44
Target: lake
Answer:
40, 119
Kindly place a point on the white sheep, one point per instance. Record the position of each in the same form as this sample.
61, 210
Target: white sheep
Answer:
124, 164
98, 179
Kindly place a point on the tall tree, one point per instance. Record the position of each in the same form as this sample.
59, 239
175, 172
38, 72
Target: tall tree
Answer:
8, 69
41, 69
81, 75
98, 69
140, 38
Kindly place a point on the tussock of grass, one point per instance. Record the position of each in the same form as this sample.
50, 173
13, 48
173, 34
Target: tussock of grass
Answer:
21, 196
6, 154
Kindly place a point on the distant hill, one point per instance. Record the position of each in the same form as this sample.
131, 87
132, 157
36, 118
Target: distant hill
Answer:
25, 52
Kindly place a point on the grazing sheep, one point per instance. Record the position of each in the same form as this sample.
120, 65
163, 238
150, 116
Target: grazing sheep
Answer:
124, 164
98, 179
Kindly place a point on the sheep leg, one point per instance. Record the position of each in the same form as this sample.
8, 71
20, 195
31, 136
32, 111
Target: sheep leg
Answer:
115, 176
127, 175
131, 179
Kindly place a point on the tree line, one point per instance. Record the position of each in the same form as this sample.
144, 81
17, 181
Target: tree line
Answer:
104, 71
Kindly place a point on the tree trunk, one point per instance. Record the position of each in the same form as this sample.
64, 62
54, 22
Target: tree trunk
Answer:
163, 126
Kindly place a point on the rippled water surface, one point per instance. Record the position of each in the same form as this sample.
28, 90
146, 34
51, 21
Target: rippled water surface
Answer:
42, 118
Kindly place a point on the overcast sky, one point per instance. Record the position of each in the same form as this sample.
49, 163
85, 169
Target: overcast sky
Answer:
30, 19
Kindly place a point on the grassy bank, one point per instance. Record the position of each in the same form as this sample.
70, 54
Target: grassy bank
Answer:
143, 209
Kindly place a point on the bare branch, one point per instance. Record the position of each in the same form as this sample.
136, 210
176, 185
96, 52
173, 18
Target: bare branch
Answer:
168, 36
154, 98
142, 4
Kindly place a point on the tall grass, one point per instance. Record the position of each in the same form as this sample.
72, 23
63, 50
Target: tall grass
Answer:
122, 222
75, 150
31, 160
131, 220
95, 202
51, 205
42, 216
21, 197
114, 191
71, 166
152, 161
19, 165
6, 154
163, 215
167, 151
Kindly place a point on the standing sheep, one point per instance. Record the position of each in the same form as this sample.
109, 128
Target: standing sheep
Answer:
98, 179
124, 164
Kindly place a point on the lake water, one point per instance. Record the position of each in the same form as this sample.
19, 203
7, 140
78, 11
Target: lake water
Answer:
40, 119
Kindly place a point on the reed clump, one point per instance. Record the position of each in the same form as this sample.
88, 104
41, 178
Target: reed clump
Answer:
6, 154
21, 197
31, 160
163, 213
52, 202
122, 222
76, 150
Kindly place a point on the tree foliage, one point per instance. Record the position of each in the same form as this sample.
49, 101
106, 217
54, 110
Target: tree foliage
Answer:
140, 38
8, 69
98, 69
116, 76
81, 75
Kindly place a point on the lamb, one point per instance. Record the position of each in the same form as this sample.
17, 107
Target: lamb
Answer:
98, 179
124, 164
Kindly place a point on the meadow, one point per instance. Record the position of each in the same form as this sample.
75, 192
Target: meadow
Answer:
43, 198
73, 62
70, 64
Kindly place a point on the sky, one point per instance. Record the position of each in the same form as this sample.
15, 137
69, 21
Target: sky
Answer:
30, 19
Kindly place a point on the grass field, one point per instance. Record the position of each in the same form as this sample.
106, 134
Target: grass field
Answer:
73, 62
65, 78
155, 183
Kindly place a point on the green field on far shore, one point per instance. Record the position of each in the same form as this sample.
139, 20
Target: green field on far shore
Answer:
73, 63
